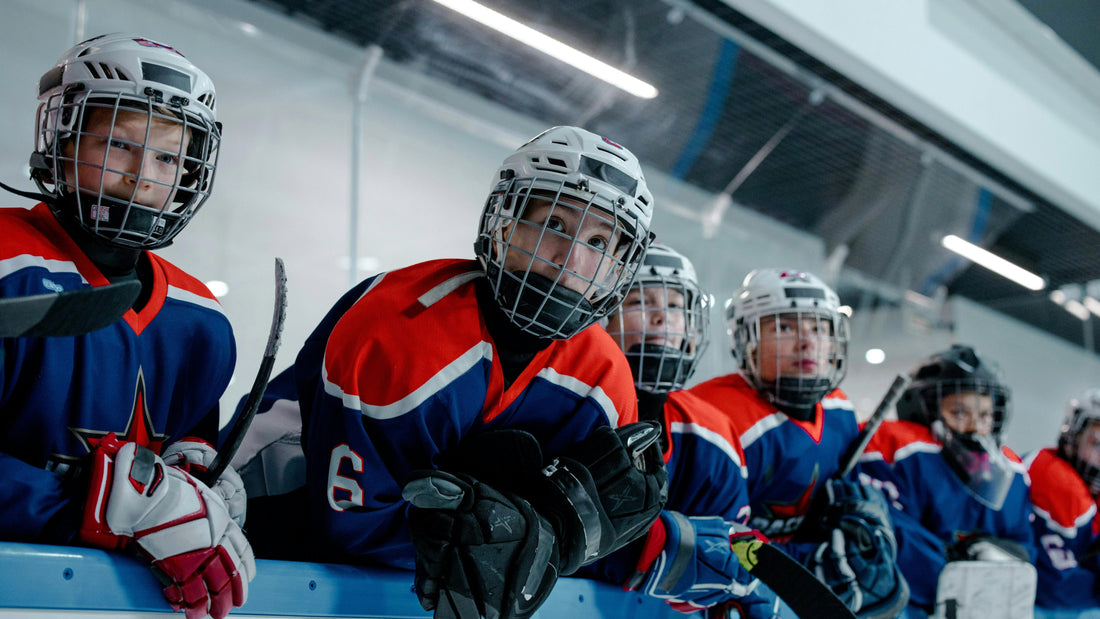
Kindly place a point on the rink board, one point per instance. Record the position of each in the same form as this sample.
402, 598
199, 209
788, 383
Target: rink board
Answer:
64, 582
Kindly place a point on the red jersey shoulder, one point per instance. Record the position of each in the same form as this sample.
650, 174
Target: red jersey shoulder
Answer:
407, 328
591, 354
35, 232
178, 278
593, 358
895, 439
1057, 489
1011, 455
33, 237
739, 400
687, 407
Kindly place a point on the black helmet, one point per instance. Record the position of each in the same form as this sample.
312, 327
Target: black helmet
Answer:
958, 369
976, 455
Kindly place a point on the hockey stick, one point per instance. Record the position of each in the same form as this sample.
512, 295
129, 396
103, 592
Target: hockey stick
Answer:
252, 404
901, 381
790, 580
67, 313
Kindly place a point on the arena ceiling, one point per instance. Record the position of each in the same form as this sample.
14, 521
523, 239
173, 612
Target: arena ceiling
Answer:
744, 111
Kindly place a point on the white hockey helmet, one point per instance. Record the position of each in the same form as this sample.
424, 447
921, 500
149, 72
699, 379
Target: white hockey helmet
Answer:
663, 344
975, 457
1080, 412
112, 74
793, 386
576, 180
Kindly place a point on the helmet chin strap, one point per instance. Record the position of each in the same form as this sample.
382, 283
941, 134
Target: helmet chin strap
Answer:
40, 197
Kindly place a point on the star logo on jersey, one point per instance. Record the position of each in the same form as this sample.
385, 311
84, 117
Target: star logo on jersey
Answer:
783, 511
139, 428
500, 520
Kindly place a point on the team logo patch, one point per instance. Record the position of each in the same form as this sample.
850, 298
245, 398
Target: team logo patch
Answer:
148, 43
794, 276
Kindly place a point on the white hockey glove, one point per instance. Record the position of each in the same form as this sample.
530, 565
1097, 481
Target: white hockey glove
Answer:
195, 456
199, 554
985, 547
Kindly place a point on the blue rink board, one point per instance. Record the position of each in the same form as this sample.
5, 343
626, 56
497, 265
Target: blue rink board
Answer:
84, 579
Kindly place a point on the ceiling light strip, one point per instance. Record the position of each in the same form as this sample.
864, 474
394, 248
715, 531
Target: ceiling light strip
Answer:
994, 263
551, 47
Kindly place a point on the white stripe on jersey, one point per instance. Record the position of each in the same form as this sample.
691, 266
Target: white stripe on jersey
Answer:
179, 294
1082, 520
835, 403
442, 378
712, 437
760, 428
377, 280
435, 294
584, 390
23, 261
916, 447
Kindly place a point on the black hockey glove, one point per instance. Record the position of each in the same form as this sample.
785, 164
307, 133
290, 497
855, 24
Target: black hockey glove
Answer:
858, 560
603, 492
842, 498
479, 552
599, 495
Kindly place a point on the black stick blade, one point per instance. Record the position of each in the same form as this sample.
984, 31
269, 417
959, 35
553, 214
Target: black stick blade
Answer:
790, 580
67, 313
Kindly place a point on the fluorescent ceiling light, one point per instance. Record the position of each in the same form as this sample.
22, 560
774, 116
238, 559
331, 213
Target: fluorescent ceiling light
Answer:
1074, 306
551, 47
1092, 305
875, 356
1078, 310
994, 263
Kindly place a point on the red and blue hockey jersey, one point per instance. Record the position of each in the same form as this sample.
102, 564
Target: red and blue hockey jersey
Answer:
705, 462
905, 460
787, 459
1065, 527
153, 377
401, 369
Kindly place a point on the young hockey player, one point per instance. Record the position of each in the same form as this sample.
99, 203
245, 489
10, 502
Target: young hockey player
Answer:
483, 393
104, 429
795, 426
1065, 484
662, 327
964, 495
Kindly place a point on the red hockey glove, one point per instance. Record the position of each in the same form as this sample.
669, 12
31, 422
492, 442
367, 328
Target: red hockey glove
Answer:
184, 527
